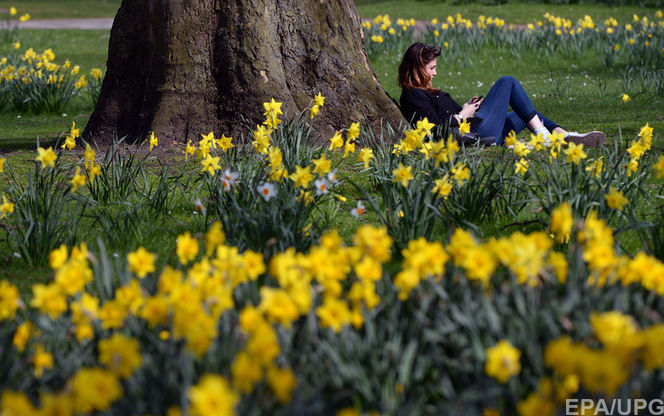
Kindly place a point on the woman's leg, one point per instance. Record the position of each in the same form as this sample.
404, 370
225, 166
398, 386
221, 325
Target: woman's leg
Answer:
506, 92
514, 122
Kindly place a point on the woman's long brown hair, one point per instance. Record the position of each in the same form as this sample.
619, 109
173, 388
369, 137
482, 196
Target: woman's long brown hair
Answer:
412, 73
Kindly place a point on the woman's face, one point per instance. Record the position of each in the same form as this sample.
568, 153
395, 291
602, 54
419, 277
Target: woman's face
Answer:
430, 69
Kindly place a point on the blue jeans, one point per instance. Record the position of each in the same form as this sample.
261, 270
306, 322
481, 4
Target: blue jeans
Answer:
497, 121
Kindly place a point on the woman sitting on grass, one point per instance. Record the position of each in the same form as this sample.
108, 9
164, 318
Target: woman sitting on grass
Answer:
488, 117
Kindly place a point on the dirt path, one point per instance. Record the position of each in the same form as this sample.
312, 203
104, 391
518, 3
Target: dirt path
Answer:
85, 24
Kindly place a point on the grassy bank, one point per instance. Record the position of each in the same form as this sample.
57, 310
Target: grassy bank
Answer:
512, 12
64, 9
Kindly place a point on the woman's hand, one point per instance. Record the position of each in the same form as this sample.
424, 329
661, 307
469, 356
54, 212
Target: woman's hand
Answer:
470, 108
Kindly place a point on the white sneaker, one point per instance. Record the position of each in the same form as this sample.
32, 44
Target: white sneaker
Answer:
590, 139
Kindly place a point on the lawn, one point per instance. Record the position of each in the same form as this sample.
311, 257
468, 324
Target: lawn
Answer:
64, 9
517, 12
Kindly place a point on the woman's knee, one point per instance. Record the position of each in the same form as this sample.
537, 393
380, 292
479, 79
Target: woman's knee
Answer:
507, 79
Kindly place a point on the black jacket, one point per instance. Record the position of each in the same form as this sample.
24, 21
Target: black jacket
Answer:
417, 103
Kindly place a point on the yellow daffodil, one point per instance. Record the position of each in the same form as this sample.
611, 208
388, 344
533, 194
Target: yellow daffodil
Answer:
210, 165
261, 139
632, 166
521, 149
464, 127
442, 187
659, 167
213, 395
120, 354
349, 147
153, 141
95, 388
186, 248
337, 141
225, 143
214, 238
49, 299
502, 361
510, 139
424, 126
301, 176
82, 82
615, 199
93, 171
47, 157
365, 156
246, 372
596, 167
403, 175
521, 166
322, 165
77, 180
9, 300
636, 150
74, 131
189, 149
353, 131
313, 111
141, 262
22, 335
645, 134
96, 73
461, 173
536, 142
208, 139
319, 100
575, 153
272, 111
88, 156
282, 382
41, 360
333, 313
69, 143
562, 222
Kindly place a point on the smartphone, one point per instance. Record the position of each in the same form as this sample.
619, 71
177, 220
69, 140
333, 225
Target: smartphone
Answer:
478, 98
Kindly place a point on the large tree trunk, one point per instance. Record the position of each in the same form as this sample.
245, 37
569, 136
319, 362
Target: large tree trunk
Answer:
185, 67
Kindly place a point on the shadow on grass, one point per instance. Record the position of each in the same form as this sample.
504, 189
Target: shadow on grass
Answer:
27, 143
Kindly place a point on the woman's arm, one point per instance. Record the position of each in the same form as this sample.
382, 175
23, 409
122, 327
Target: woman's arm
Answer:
418, 104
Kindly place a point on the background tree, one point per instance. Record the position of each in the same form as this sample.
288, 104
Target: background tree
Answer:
185, 67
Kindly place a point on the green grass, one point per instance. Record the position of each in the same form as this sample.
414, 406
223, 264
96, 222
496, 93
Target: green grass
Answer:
23, 132
63, 9
87, 48
513, 12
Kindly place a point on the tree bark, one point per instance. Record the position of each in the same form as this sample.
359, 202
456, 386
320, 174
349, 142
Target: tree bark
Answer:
181, 68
